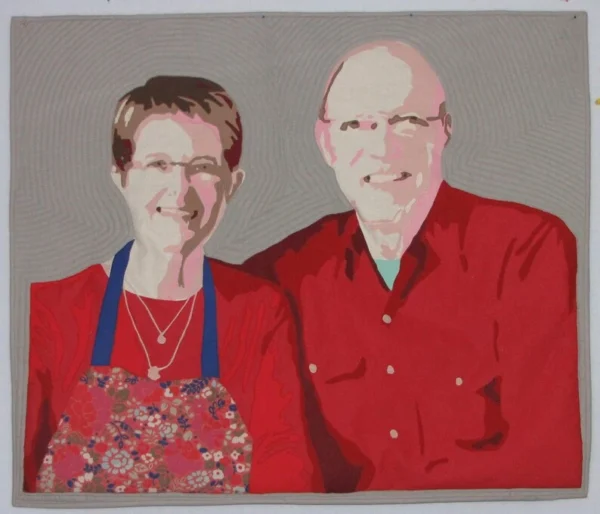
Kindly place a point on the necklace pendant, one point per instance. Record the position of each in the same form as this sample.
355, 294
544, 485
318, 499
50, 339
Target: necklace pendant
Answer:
161, 339
153, 373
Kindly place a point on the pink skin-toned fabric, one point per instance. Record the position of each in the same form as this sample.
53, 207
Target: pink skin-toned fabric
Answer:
383, 135
176, 189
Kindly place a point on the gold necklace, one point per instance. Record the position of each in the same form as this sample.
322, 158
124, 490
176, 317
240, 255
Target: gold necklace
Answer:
154, 371
161, 339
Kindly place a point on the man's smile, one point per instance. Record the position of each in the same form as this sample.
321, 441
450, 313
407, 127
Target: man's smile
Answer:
383, 178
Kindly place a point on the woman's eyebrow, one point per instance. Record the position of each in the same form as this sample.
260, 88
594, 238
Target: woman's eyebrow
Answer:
202, 157
157, 155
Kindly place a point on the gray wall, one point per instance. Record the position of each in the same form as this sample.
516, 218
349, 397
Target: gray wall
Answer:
516, 84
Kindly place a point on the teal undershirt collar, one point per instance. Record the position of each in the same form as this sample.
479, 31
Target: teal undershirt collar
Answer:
388, 270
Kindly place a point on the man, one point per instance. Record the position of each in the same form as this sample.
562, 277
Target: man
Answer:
439, 328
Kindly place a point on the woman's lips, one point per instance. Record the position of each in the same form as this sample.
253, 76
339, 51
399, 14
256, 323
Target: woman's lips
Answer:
175, 212
383, 178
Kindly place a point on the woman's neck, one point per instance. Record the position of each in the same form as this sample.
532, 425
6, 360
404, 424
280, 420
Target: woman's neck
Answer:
155, 273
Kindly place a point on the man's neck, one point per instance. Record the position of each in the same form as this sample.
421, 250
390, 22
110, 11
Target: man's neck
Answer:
389, 239
155, 273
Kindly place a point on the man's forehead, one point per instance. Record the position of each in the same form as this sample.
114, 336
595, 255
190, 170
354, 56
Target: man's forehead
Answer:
375, 81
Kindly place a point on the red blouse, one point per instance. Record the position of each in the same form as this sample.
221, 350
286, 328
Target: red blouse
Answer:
256, 350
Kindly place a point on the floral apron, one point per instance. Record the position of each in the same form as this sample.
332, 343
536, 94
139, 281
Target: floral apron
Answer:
127, 434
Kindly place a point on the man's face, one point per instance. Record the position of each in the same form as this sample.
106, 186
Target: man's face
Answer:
178, 183
384, 135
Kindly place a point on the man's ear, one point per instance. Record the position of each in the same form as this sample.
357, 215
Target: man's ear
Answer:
323, 139
447, 122
237, 179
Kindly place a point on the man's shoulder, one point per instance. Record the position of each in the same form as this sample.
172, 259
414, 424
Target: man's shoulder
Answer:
235, 283
506, 219
317, 241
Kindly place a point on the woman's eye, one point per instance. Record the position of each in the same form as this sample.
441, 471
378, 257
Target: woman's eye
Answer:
204, 168
160, 164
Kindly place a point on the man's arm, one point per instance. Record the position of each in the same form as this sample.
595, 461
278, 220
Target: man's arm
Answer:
283, 459
538, 352
532, 415
263, 264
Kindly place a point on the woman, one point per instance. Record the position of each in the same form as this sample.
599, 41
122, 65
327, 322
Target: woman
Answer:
163, 370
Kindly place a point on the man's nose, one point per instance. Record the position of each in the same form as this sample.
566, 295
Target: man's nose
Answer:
385, 143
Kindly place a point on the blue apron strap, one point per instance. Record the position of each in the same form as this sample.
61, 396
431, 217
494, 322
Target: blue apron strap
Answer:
210, 345
107, 322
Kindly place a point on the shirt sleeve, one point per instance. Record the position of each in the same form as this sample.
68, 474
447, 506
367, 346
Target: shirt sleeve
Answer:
532, 427
39, 389
533, 416
538, 352
283, 459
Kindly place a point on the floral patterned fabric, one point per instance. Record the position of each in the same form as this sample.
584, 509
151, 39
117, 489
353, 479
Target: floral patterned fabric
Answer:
125, 434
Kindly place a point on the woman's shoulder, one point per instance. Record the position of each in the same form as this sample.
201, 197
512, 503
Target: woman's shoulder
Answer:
70, 289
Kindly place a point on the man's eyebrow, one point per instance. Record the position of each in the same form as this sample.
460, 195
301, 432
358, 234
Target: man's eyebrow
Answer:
416, 119
350, 123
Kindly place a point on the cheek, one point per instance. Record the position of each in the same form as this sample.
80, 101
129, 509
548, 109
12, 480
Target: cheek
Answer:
349, 149
210, 193
143, 186
207, 193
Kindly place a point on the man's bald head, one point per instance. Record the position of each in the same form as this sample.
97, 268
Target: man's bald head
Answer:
382, 127
373, 68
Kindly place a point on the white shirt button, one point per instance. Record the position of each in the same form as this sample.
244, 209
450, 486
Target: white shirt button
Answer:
387, 319
393, 434
459, 381
312, 368
390, 370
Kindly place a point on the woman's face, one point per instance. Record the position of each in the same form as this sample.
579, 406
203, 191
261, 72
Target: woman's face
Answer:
178, 183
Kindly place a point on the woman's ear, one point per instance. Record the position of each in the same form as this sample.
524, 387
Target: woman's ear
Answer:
118, 177
237, 179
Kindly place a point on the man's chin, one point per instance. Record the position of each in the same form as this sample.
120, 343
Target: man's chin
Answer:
376, 218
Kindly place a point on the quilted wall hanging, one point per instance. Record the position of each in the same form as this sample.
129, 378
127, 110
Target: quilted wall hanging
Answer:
299, 258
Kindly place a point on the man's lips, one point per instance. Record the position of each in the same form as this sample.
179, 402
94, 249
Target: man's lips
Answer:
383, 178
174, 212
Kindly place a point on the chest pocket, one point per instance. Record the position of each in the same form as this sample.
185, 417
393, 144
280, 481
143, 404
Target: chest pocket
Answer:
340, 387
459, 394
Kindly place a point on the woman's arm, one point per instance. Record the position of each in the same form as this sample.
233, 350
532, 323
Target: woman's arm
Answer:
38, 424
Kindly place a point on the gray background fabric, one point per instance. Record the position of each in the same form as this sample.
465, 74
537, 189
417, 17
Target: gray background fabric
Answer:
517, 87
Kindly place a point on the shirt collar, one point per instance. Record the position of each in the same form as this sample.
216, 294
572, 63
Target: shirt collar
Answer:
422, 243
420, 258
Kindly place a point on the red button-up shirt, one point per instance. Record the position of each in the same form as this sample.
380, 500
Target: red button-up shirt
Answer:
465, 374
257, 354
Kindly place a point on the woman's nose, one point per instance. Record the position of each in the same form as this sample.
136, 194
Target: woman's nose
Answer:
178, 183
